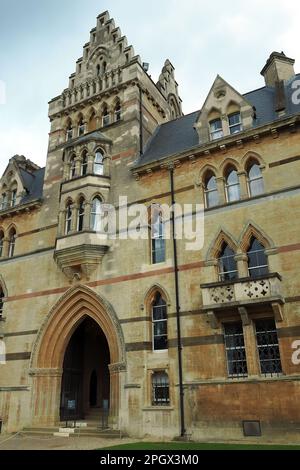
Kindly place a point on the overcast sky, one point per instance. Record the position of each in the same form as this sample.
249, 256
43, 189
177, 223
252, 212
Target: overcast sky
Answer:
40, 42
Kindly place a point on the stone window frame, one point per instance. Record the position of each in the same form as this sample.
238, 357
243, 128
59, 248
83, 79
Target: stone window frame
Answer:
250, 345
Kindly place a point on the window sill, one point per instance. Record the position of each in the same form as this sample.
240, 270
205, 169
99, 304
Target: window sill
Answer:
158, 408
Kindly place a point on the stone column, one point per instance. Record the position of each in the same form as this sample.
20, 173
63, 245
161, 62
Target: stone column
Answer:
67, 169
211, 271
5, 247
242, 264
87, 216
90, 168
221, 189
115, 382
75, 209
46, 390
274, 261
85, 91
251, 350
243, 184
78, 161
61, 222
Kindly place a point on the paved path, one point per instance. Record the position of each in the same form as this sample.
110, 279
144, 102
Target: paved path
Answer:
22, 442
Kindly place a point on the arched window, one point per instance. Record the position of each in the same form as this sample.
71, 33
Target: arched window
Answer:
159, 324
118, 111
104, 67
99, 163
158, 243
69, 134
84, 164
1, 301
255, 180
73, 167
1, 243
4, 202
98, 69
257, 259
233, 191
105, 116
227, 264
96, 215
211, 190
69, 213
160, 389
12, 243
81, 210
81, 127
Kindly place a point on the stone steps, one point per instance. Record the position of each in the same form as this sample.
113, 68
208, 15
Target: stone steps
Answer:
72, 432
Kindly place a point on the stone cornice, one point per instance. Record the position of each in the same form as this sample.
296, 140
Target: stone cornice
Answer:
103, 94
21, 208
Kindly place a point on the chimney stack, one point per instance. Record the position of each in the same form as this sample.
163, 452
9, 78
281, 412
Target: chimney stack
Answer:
278, 67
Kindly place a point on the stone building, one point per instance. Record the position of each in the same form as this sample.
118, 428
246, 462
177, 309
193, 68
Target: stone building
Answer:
172, 341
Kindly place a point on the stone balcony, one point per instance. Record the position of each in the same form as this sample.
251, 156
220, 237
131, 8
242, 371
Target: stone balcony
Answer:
79, 254
243, 295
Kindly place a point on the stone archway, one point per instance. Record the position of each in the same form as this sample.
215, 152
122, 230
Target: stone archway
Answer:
46, 365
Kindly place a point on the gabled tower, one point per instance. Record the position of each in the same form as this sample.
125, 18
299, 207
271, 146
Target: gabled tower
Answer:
100, 124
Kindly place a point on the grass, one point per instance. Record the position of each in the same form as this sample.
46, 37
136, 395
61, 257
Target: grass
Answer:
169, 446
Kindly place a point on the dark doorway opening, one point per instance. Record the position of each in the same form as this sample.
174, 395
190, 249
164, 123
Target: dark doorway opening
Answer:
86, 378
93, 389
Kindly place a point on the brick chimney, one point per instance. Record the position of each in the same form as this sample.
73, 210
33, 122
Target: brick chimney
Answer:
278, 67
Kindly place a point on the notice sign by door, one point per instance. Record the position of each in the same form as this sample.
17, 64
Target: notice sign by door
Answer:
71, 404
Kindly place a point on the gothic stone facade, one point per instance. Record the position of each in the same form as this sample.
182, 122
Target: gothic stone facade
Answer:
115, 132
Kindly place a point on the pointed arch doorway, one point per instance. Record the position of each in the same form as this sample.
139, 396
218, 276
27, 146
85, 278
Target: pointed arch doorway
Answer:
80, 325
86, 359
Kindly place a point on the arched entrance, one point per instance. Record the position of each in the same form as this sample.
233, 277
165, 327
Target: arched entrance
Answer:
79, 319
86, 358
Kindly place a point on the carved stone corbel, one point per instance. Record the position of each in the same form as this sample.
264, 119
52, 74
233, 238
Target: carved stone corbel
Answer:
213, 320
278, 311
244, 316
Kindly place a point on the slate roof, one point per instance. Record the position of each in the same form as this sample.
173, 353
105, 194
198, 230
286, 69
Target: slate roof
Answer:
95, 135
33, 183
179, 135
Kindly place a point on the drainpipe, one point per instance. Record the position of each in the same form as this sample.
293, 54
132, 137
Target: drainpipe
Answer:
179, 341
141, 120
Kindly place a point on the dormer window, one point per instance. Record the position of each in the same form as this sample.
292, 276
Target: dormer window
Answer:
216, 129
14, 198
235, 123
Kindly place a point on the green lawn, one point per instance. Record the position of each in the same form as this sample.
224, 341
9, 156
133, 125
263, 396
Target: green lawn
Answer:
197, 446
